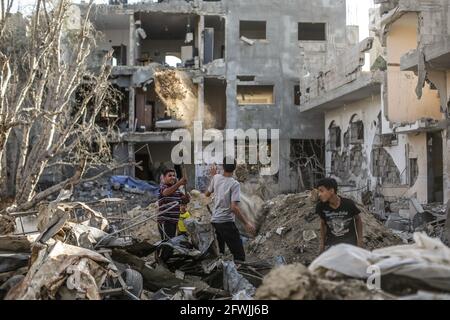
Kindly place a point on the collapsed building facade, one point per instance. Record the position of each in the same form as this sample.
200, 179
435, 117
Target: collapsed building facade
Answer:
386, 129
237, 64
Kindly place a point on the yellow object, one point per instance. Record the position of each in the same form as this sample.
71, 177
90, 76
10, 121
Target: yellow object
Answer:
181, 226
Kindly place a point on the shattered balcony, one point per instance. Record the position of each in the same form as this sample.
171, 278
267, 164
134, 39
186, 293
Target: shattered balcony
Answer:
421, 125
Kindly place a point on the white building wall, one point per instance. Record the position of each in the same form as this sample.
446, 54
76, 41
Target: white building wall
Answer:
368, 110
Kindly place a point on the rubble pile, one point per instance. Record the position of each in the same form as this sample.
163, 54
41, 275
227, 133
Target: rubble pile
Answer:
296, 282
401, 270
417, 271
406, 216
97, 190
96, 251
81, 253
65, 272
291, 230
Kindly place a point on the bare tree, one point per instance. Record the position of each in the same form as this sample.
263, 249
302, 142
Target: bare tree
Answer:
50, 100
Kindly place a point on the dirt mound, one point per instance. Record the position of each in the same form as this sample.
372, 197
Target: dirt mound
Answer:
292, 229
296, 282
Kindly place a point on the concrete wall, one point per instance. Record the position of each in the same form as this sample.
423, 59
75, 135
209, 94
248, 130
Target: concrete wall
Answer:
111, 38
403, 104
278, 61
368, 110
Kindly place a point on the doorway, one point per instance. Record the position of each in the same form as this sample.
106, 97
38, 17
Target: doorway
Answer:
435, 167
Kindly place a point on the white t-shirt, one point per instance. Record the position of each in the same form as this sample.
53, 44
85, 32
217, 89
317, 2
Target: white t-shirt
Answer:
226, 190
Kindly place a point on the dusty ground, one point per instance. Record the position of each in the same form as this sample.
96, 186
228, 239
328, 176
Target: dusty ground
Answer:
299, 239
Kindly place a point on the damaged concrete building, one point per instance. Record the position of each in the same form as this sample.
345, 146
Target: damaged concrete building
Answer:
238, 62
386, 128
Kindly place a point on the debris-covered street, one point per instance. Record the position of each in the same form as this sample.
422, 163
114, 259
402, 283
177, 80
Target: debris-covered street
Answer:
224, 150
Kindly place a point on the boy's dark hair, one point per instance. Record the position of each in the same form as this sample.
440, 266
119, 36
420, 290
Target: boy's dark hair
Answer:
229, 165
166, 171
329, 184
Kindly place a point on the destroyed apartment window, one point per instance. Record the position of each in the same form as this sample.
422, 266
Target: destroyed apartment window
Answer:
173, 61
253, 29
389, 140
120, 55
334, 134
311, 31
413, 171
297, 95
346, 139
246, 78
255, 95
356, 132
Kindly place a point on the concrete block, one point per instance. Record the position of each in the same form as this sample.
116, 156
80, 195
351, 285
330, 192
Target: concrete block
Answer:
405, 213
415, 206
398, 223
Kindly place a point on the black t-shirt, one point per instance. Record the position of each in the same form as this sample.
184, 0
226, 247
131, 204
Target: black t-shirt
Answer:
340, 222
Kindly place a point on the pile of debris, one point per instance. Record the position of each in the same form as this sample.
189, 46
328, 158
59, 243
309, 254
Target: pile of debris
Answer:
407, 216
291, 230
103, 251
418, 271
296, 282
132, 191
82, 253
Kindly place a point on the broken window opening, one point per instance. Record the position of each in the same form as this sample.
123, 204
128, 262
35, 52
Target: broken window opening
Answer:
356, 130
173, 61
334, 137
214, 38
119, 55
246, 78
255, 30
255, 95
413, 171
347, 139
389, 140
312, 31
216, 102
297, 95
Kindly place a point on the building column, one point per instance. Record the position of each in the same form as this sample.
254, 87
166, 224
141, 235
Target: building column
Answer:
131, 124
201, 101
131, 159
284, 175
132, 44
201, 40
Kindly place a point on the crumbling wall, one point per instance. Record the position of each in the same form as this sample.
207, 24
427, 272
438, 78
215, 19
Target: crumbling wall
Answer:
403, 105
278, 61
350, 163
372, 163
